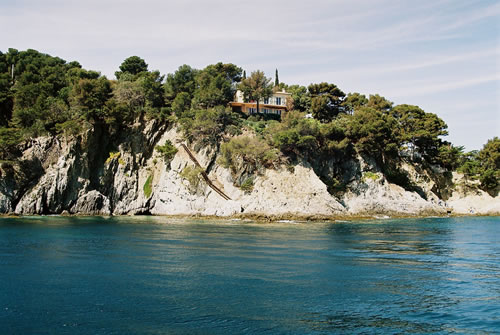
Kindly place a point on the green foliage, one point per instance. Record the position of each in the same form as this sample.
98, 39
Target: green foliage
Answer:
419, 130
489, 156
216, 85
9, 140
370, 175
247, 185
152, 87
89, 96
168, 150
129, 93
295, 135
183, 80
372, 133
354, 101
489, 161
70, 128
193, 175
208, 126
326, 101
300, 97
334, 185
489, 179
251, 152
258, 124
449, 156
113, 156
378, 103
148, 187
483, 165
256, 87
132, 65
181, 104
34, 97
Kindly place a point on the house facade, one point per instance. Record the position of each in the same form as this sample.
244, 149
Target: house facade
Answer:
275, 104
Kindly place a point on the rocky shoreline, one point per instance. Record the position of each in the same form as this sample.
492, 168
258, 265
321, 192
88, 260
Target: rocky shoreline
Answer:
79, 177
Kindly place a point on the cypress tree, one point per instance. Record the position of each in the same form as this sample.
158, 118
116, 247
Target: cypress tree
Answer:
276, 79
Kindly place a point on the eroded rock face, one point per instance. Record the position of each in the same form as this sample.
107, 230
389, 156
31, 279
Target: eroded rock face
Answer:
94, 176
5, 201
465, 199
380, 197
57, 189
300, 192
92, 203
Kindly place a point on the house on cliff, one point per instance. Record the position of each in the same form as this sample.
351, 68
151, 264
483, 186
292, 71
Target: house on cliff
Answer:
276, 104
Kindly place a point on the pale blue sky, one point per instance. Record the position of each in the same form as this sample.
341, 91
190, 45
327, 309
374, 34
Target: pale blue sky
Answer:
443, 56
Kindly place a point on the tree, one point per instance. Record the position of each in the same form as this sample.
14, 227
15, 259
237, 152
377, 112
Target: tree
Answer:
9, 139
489, 156
276, 79
151, 84
216, 85
129, 93
489, 160
449, 155
6, 99
354, 101
133, 65
419, 130
373, 133
183, 80
379, 103
326, 100
256, 87
300, 96
181, 103
38, 91
90, 97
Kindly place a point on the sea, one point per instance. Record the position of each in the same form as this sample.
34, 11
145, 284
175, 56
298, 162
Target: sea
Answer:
159, 275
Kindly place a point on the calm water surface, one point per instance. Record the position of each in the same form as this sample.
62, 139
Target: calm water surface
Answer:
150, 275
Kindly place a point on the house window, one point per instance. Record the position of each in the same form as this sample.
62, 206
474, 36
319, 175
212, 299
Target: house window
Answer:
251, 110
278, 101
266, 101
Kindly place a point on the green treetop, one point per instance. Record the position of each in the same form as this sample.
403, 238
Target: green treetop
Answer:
326, 101
256, 87
133, 65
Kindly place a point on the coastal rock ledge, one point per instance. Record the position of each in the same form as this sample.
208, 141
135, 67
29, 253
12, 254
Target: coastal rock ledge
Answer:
95, 175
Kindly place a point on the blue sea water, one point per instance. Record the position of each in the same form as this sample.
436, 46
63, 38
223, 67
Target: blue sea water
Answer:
154, 275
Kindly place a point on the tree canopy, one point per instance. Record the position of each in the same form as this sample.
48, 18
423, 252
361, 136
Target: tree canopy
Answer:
326, 101
132, 65
256, 87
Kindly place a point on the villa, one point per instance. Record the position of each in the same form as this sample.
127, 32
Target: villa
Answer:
275, 104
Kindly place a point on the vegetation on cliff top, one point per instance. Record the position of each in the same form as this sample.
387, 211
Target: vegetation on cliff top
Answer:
45, 95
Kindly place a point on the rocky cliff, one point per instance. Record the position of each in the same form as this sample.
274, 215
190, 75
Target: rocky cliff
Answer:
103, 174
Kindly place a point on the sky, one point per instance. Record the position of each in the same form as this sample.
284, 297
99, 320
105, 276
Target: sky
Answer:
443, 56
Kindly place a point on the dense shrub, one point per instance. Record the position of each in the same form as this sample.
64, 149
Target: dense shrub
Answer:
168, 150
252, 152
